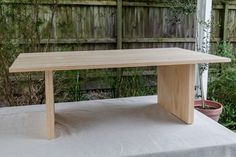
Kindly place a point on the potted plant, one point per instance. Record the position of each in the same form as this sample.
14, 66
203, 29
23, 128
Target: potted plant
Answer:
210, 108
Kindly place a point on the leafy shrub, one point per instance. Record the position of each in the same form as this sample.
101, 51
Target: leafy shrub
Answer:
222, 85
223, 89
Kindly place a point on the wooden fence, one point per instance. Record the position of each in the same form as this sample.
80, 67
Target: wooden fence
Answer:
85, 24
117, 24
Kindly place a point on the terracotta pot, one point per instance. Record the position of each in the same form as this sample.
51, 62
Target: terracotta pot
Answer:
215, 110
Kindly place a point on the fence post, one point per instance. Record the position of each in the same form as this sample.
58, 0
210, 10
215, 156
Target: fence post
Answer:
119, 71
225, 27
119, 24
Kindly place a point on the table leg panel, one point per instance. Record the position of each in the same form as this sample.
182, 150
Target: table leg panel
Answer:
176, 90
50, 109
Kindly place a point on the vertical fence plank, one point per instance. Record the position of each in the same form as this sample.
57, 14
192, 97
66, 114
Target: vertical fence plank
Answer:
225, 27
119, 24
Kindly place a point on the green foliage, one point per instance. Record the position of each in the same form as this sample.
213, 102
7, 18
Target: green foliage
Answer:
225, 49
222, 85
131, 82
19, 33
180, 8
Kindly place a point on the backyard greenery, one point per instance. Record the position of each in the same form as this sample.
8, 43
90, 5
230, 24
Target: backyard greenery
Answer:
222, 84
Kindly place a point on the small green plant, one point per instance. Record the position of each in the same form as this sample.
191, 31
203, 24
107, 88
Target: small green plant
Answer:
201, 69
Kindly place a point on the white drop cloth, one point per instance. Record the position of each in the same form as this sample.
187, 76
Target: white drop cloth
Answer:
105, 128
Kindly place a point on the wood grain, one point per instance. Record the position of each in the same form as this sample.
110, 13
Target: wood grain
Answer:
176, 90
30, 62
50, 109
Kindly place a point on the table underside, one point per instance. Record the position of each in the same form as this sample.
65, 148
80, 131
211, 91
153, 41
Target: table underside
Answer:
175, 93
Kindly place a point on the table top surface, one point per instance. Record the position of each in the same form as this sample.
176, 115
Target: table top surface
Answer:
29, 62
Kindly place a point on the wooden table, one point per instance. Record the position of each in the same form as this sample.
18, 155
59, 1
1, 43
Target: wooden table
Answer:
176, 73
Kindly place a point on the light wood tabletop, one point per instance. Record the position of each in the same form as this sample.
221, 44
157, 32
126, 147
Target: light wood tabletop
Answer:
29, 62
175, 68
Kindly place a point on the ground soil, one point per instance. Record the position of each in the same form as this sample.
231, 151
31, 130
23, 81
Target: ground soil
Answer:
206, 107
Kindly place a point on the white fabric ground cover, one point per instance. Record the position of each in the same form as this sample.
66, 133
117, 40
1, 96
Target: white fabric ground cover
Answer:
116, 127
